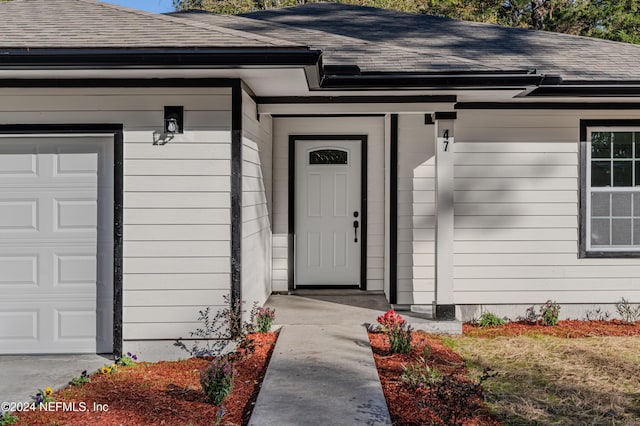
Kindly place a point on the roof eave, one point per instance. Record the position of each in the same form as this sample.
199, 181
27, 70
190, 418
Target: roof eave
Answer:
596, 89
466, 80
90, 58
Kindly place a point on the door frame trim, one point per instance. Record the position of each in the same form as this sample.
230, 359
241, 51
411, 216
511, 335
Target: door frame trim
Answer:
96, 128
291, 252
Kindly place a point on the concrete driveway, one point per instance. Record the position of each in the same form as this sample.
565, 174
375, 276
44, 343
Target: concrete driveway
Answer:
22, 375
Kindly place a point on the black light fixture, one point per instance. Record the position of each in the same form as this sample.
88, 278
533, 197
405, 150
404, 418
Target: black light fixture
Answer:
173, 119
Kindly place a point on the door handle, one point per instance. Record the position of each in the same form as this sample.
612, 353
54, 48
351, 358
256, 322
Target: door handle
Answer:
355, 230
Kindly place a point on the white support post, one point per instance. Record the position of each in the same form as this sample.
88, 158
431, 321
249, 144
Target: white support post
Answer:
444, 303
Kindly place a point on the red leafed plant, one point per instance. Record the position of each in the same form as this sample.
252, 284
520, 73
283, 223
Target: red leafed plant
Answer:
397, 330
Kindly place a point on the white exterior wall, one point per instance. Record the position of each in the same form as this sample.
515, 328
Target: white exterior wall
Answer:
516, 215
374, 128
256, 204
176, 199
416, 210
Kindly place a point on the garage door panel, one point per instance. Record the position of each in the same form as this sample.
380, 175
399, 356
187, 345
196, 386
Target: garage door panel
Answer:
77, 164
75, 214
76, 324
19, 270
19, 160
75, 270
19, 325
18, 215
52, 280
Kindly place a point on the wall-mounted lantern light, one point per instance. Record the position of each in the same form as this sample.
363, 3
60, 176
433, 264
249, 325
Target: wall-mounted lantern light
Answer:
173, 119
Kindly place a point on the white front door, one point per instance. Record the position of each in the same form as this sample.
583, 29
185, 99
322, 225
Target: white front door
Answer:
328, 198
56, 244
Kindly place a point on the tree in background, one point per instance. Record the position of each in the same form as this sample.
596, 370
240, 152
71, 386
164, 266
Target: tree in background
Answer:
617, 20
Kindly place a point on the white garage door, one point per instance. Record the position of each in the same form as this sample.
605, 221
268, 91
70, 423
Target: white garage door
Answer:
56, 244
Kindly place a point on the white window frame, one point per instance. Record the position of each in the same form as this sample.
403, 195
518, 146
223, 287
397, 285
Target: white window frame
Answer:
608, 189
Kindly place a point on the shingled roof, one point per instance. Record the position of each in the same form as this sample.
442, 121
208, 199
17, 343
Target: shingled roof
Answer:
93, 24
385, 40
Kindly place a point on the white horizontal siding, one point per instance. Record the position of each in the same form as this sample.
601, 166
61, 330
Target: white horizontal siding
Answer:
256, 203
516, 212
416, 210
176, 196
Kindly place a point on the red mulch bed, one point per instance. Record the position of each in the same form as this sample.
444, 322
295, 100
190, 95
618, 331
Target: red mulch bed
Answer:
161, 393
458, 396
564, 328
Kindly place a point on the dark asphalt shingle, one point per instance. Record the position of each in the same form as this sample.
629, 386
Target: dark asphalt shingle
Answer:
89, 23
396, 41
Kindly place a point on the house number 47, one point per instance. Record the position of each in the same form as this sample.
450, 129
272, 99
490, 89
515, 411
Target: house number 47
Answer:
445, 142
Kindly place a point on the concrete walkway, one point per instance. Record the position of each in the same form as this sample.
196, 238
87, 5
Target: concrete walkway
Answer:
322, 370
22, 375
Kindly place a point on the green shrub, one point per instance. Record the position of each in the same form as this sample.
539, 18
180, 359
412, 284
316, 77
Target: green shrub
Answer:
8, 419
419, 374
80, 380
398, 332
549, 313
489, 319
217, 379
628, 313
264, 318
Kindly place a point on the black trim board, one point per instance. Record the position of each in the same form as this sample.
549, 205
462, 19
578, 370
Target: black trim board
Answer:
236, 197
292, 200
117, 131
550, 105
446, 115
393, 219
118, 82
75, 58
325, 115
582, 185
586, 91
270, 100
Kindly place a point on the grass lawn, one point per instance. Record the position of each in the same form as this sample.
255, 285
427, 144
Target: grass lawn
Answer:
547, 380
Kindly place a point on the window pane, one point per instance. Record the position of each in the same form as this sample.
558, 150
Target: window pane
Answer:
600, 204
637, 139
601, 173
621, 232
636, 204
600, 232
328, 156
638, 170
636, 232
622, 145
621, 204
622, 174
601, 145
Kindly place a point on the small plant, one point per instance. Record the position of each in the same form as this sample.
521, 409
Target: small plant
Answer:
549, 313
531, 316
82, 379
218, 331
105, 369
43, 396
219, 416
597, 315
489, 319
419, 374
127, 360
627, 312
398, 332
7, 419
264, 318
217, 379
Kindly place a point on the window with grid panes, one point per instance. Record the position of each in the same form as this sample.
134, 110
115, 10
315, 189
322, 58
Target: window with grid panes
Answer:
613, 185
